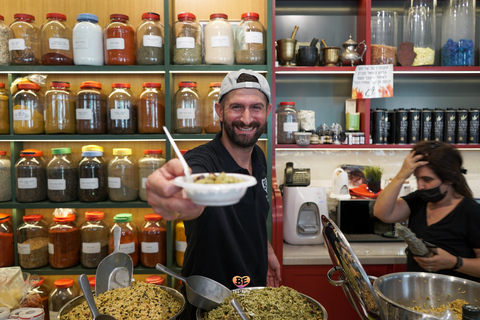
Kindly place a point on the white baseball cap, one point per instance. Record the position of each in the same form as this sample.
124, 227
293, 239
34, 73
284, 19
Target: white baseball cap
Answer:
231, 82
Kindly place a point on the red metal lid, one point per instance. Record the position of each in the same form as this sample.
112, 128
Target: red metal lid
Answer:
287, 103
68, 218
120, 85
215, 84
4, 217
218, 15
28, 86
187, 84
119, 16
63, 283
154, 280
33, 217
56, 16
24, 16
153, 217
94, 215
2, 85
91, 84
152, 151
151, 15
3, 152
182, 16
61, 84
152, 85
250, 15
31, 153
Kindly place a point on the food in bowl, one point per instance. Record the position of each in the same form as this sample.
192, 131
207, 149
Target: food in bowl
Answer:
455, 306
216, 179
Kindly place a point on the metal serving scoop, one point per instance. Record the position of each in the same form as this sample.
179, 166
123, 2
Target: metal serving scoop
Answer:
87, 293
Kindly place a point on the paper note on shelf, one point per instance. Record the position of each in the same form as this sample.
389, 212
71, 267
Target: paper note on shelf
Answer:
374, 81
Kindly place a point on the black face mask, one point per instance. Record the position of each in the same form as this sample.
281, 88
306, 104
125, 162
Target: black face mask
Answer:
431, 195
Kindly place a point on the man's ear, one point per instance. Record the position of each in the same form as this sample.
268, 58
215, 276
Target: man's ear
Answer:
219, 110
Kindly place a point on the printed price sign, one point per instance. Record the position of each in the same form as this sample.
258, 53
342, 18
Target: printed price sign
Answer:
373, 82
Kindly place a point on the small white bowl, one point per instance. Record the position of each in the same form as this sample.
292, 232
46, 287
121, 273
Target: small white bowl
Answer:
216, 195
302, 138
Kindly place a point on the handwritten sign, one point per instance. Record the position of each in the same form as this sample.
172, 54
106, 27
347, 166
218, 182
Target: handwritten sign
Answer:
373, 82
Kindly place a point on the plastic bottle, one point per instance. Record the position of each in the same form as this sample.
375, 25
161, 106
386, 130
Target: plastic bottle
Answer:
219, 47
63, 242
153, 241
92, 174
87, 41
91, 112
5, 177
25, 46
187, 46
250, 40
56, 40
122, 110
149, 42
64, 292
62, 176
4, 111
94, 238
32, 242
129, 237
28, 109
5, 35
31, 176
151, 108
7, 258
211, 120
187, 113
151, 161
123, 176
59, 108
180, 243
119, 41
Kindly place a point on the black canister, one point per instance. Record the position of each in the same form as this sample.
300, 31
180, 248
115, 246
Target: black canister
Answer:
462, 126
470, 312
438, 125
473, 125
378, 127
413, 126
401, 126
426, 125
391, 126
450, 125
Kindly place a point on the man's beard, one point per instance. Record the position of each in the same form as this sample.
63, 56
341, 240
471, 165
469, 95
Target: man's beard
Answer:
240, 139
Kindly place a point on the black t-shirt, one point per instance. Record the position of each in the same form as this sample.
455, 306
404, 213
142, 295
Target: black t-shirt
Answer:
457, 233
229, 241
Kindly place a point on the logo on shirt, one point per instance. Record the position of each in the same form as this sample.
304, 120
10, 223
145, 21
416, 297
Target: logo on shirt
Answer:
241, 282
265, 187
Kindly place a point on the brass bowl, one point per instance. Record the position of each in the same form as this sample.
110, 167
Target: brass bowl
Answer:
286, 50
330, 56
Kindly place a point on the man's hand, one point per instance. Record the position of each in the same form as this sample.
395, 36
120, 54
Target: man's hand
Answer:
274, 270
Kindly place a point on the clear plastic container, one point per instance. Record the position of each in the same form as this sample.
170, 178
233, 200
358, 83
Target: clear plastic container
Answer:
150, 40
64, 291
129, 238
5, 35
384, 29
123, 176
5, 177
219, 47
62, 176
151, 108
153, 241
287, 122
94, 238
56, 40
151, 161
59, 108
211, 120
92, 174
63, 242
122, 110
7, 258
187, 113
87, 41
91, 112
39, 287
180, 242
28, 109
32, 242
119, 41
4, 111
31, 176
250, 40
187, 45
25, 44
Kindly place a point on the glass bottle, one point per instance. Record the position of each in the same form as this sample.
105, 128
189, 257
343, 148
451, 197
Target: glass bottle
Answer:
149, 42
92, 174
211, 119
31, 176
151, 161
59, 108
119, 41
5, 177
64, 291
122, 110
91, 112
123, 176
287, 122
5, 35
384, 28
153, 241
187, 115
63, 242
219, 46
94, 238
4, 111
187, 46
7, 258
56, 40
250, 40
25, 46
38, 286
87, 41
180, 242
62, 176
129, 237
151, 108
420, 29
28, 109
32, 242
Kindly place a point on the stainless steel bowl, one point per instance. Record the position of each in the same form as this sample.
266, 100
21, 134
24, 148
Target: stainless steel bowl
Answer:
399, 291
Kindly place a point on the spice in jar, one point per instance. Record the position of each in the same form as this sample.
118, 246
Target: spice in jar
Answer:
180, 243
123, 176
119, 41
94, 239
219, 40
187, 115
59, 108
39, 287
211, 119
151, 108
150, 40
187, 40
24, 44
128, 238
63, 242
4, 37
63, 293
87, 41
287, 122
28, 110
92, 174
31, 176
5, 177
4, 113
32, 242
62, 176
151, 161
122, 110
6, 241
56, 40
91, 112
153, 241
250, 40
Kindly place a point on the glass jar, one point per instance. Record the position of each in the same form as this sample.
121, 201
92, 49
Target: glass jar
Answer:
122, 110
129, 237
63, 242
211, 119
28, 109
150, 40
151, 161
153, 241
24, 45
64, 291
31, 175
180, 242
87, 41
62, 176
39, 287
156, 280
384, 28
123, 176
187, 115
151, 108
92, 174
32, 242
94, 238
4, 111
7, 258
250, 40
219, 47
458, 33
5, 35
420, 28
5, 177
59, 108
287, 122
119, 41
187, 46
91, 112
56, 40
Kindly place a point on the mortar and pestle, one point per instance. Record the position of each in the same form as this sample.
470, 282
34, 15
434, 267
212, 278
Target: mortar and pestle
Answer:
330, 55
286, 48
308, 56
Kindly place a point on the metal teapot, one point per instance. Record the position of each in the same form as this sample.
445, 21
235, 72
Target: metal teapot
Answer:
350, 56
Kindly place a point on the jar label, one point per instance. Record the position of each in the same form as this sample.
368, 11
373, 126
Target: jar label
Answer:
127, 247
254, 37
150, 247
51, 248
180, 246
84, 114
81, 43
57, 184
186, 113
22, 115
23, 248
53, 314
220, 41
59, 44
27, 183
16, 44
114, 182
91, 247
120, 114
185, 43
152, 41
290, 127
115, 44
144, 183
88, 183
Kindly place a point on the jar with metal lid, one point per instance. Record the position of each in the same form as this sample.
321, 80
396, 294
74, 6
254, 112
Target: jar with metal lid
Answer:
31, 176
250, 40
219, 46
153, 241
211, 119
119, 41
5, 35
28, 109
91, 112
129, 237
87, 41
56, 40
94, 238
151, 108
122, 110
63, 242
187, 116
62, 176
25, 43
151, 161
180, 242
32, 242
287, 122
156, 280
150, 40
64, 291
187, 46
123, 176
59, 108
5, 177
39, 287
92, 174
4, 111
7, 258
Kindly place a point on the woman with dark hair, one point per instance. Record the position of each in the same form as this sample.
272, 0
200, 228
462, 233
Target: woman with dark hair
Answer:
442, 211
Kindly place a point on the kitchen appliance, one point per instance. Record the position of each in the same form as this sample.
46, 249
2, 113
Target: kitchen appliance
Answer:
340, 185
